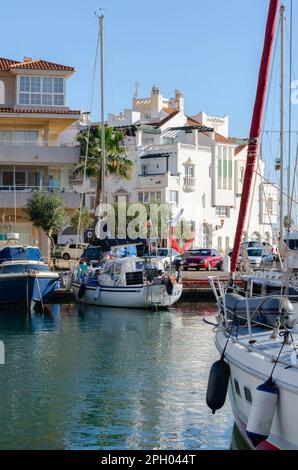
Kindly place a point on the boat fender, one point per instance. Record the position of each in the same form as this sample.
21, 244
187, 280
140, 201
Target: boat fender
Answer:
218, 385
262, 412
97, 292
169, 286
81, 291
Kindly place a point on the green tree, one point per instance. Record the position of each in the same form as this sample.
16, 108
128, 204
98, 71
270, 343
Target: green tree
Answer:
85, 222
46, 210
116, 162
288, 222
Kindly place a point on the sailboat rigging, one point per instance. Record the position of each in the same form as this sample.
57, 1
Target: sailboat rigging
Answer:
256, 336
255, 131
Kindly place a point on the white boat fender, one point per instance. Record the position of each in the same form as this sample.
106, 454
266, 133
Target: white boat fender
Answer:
169, 286
81, 291
262, 412
218, 385
97, 292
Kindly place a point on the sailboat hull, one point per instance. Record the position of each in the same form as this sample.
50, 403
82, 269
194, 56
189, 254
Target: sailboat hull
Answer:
133, 296
24, 289
250, 370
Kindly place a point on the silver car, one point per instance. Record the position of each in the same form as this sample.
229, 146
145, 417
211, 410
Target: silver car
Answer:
257, 257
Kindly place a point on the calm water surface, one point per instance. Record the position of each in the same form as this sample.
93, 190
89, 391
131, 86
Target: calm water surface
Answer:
79, 377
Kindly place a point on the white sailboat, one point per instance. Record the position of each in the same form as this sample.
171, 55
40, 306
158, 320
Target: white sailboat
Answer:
257, 337
136, 282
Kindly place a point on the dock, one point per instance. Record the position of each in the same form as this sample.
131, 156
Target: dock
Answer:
196, 282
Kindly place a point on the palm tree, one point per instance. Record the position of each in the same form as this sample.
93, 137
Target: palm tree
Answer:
116, 162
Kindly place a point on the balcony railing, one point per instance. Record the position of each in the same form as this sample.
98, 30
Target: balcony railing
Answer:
26, 188
38, 154
18, 198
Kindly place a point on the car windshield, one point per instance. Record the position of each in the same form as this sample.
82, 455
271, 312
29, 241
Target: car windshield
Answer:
93, 252
163, 252
200, 253
254, 252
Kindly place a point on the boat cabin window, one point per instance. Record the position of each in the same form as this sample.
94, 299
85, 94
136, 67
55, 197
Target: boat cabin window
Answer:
247, 394
22, 268
237, 387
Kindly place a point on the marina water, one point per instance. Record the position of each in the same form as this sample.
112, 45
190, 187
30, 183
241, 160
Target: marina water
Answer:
80, 377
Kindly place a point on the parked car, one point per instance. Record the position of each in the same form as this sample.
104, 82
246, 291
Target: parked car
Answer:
270, 249
202, 258
165, 255
72, 251
92, 255
258, 258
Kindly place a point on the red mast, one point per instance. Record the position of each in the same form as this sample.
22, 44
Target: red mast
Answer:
255, 130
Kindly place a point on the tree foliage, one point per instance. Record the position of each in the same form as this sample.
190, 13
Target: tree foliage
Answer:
116, 162
288, 222
46, 210
86, 220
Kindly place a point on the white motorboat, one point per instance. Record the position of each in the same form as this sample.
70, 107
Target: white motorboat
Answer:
128, 282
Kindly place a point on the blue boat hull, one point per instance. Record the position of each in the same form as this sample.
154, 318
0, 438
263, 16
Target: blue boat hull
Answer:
26, 289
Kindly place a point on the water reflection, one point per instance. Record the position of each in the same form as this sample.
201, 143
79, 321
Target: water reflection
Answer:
99, 378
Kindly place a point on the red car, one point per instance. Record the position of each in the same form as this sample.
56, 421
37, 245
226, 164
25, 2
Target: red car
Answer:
203, 258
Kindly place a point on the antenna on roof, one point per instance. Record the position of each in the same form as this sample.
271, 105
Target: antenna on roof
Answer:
101, 10
136, 90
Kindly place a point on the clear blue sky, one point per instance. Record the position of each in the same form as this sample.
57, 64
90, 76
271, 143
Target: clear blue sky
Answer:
209, 50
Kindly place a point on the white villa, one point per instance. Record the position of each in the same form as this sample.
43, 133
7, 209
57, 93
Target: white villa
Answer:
191, 163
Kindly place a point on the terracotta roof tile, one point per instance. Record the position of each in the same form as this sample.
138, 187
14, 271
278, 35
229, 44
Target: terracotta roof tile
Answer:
239, 149
8, 64
39, 111
5, 64
164, 121
224, 140
169, 110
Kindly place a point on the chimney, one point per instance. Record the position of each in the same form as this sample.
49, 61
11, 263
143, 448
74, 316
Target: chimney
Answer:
27, 59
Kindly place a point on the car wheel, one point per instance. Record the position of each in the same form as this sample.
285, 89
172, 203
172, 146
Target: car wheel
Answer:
66, 256
209, 267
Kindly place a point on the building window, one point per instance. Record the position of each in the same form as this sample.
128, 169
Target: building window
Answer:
224, 168
24, 137
46, 91
270, 205
6, 137
152, 197
247, 394
189, 171
8, 180
222, 211
205, 236
227, 248
144, 170
237, 387
174, 197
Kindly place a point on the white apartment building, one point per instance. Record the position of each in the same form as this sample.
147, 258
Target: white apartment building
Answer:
191, 163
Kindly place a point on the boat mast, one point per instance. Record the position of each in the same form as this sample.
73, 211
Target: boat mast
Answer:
281, 198
101, 24
290, 115
255, 130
